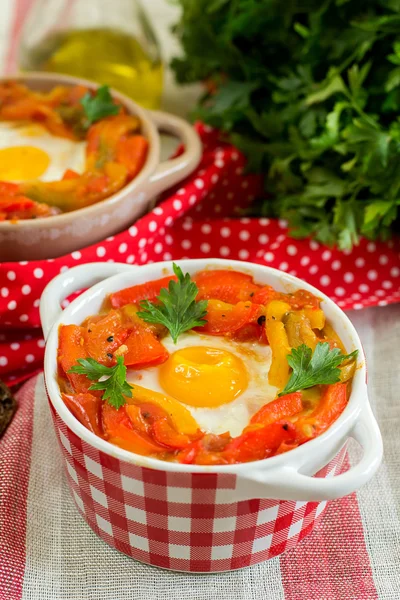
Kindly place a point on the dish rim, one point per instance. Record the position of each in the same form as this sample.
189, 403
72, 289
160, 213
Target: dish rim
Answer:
358, 399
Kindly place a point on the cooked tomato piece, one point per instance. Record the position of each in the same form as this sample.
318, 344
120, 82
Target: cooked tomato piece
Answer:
76, 93
206, 451
8, 189
104, 337
256, 444
14, 205
280, 408
120, 431
144, 291
87, 409
266, 294
143, 349
132, 152
223, 318
285, 447
252, 332
299, 299
72, 347
227, 286
303, 299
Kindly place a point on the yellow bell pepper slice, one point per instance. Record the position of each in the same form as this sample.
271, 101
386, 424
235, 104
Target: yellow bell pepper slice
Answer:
278, 340
299, 330
330, 335
316, 317
180, 416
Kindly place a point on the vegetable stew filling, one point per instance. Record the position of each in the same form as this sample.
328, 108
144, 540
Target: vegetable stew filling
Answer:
64, 149
212, 369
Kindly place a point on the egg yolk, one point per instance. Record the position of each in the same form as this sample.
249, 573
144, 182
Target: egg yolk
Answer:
204, 377
22, 163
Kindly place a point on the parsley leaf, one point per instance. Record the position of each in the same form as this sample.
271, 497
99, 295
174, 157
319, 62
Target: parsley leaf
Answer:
318, 368
177, 308
99, 106
115, 386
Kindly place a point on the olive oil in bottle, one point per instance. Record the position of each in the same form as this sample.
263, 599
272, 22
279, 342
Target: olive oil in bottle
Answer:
125, 58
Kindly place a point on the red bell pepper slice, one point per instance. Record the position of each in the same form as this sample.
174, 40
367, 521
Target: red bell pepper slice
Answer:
285, 447
132, 152
280, 408
206, 451
223, 318
154, 420
227, 286
298, 300
87, 409
256, 444
120, 431
329, 408
11, 204
9, 189
144, 349
143, 291
165, 434
103, 337
72, 347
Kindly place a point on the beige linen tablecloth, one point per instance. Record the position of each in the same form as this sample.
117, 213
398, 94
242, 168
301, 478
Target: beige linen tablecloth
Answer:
354, 553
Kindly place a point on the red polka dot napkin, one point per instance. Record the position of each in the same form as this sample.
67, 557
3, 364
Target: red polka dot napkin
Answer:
199, 219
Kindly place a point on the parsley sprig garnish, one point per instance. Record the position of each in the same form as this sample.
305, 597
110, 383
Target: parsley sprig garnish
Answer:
99, 105
177, 308
113, 379
320, 367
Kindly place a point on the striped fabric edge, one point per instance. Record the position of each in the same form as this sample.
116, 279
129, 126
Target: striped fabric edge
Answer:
20, 10
15, 461
333, 563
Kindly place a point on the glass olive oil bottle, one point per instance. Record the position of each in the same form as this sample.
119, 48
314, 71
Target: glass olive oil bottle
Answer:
109, 41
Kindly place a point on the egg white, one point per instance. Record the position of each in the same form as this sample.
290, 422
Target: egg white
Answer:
63, 153
235, 415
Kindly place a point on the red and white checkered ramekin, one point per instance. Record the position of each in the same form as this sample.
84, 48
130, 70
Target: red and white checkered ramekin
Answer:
202, 518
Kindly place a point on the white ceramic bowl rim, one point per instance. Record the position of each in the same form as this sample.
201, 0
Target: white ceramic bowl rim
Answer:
357, 402
152, 158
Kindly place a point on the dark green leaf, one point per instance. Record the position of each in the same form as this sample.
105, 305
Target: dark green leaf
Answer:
99, 105
320, 367
112, 380
177, 308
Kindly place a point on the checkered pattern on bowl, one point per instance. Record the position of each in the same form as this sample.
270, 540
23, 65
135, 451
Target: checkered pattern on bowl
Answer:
181, 521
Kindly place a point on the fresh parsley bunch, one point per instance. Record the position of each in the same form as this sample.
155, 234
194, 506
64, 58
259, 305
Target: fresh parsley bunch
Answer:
310, 91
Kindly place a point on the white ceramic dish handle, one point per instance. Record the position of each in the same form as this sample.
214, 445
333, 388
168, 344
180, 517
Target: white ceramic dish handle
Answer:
290, 484
69, 282
169, 172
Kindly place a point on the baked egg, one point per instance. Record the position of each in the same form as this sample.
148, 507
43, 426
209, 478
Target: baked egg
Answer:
28, 152
221, 382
